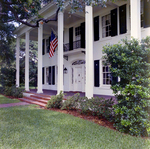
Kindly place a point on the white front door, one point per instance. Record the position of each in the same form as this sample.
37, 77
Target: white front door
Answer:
78, 78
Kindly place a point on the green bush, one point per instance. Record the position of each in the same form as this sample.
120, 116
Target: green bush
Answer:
102, 107
130, 62
13, 91
71, 103
97, 106
56, 101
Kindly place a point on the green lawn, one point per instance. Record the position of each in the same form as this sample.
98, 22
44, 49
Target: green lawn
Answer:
4, 100
28, 127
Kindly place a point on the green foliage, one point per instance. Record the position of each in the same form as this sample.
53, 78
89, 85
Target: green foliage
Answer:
71, 102
13, 91
97, 106
7, 76
129, 61
56, 101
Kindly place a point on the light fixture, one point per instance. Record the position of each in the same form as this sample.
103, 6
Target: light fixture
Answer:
65, 70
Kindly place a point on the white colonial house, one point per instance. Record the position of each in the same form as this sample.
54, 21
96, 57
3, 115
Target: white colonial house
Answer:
77, 64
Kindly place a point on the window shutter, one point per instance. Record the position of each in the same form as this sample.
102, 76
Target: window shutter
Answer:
53, 75
96, 73
146, 13
83, 35
50, 74
114, 26
43, 75
96, 28
122, 19
43, 47
71, 38
49, 44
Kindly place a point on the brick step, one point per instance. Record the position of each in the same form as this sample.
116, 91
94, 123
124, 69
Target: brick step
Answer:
40, 96
37, 99
33, 102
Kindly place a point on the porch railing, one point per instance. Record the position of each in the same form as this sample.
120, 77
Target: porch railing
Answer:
76, 45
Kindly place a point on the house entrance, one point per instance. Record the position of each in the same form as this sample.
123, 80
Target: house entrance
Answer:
78, 75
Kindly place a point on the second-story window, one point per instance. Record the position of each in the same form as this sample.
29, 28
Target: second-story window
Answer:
106, 26
78, 33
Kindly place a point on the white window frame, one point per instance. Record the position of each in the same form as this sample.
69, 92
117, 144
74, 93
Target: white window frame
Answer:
104, 77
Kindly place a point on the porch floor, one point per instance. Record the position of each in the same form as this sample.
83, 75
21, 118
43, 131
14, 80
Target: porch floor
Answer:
71, 93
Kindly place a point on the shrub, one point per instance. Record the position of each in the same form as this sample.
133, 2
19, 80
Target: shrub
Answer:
13, 91
102, 107
56, 101
97, 106
129, 61
71, 103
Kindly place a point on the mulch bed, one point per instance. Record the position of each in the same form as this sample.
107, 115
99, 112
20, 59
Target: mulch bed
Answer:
100, 121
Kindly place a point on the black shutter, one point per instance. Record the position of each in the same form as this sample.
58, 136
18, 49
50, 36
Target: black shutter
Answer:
43, 75
53, 75
96, 73
43, 47
146, 17
83, 35
71, 38
122, 19
114, 26
49, 44
50, 76
96, 28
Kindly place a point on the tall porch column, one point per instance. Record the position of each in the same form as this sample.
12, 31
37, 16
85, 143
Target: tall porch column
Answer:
40, 38
27, 62
135, 19
60, 51
89, 51
17, 62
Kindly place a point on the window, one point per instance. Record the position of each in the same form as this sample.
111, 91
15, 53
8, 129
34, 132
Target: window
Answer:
106, 75
78, 33
106, 26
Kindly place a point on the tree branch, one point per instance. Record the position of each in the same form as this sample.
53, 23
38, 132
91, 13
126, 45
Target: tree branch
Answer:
37, 22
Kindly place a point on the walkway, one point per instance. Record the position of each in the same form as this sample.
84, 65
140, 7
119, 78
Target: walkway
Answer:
13, 104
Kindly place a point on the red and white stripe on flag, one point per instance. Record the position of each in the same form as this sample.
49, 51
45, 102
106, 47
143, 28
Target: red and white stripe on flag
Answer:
53, 44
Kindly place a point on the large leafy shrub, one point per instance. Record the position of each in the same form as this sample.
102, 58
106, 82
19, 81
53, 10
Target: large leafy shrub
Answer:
56, 101
129, 61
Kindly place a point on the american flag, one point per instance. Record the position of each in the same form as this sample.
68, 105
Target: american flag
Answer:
53, 44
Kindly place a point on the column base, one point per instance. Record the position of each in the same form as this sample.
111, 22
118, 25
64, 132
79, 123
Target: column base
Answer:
39, 92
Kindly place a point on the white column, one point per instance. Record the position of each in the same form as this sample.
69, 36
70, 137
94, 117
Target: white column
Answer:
135, 19
89, 51
60, 52
40, 38
17, 62
27, 62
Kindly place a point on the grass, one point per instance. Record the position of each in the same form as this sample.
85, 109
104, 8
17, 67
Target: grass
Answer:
26, 127
4, 100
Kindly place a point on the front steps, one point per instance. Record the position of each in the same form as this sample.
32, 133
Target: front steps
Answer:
38, 99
